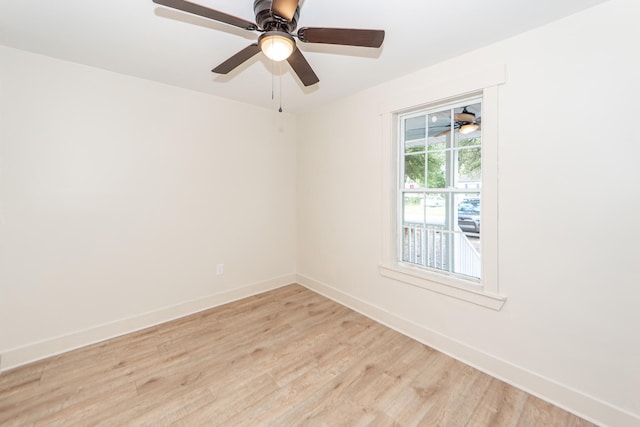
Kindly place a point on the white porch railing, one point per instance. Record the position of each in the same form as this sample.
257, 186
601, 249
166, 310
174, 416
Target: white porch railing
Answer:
433, 247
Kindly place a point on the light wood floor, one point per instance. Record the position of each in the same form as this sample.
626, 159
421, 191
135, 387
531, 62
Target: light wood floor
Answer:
288, 357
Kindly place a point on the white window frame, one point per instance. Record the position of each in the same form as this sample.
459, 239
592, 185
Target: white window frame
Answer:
484, 84
455, 240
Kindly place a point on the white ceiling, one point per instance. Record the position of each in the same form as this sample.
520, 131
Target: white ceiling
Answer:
140, 38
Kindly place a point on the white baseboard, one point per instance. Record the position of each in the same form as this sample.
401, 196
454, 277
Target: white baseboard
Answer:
583, 405
39, 350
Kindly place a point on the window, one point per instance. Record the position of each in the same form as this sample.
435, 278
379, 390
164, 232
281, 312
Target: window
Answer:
440, 187
439, 197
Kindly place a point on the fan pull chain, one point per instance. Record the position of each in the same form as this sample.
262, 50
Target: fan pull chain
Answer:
272, 80
280, 72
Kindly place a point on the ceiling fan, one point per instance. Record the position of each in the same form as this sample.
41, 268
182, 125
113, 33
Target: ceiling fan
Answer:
276, 20
466, 121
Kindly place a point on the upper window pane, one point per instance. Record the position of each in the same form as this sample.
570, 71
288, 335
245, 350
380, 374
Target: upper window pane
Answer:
468, 121
469, 168
437, 169
414, 169
439, 127
414, 134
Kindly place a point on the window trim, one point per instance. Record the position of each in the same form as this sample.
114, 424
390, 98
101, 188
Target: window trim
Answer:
484, 84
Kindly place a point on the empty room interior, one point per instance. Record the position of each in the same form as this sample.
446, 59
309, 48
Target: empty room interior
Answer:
439, 232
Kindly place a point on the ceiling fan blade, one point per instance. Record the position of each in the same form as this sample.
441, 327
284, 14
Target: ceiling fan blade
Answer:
465, 117
342, 36
237, 59
302, 68
284, 8
199, 10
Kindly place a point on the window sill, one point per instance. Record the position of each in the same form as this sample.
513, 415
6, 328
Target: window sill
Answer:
457, 288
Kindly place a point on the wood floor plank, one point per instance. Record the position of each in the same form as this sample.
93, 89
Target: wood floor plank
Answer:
500, 406
447, 407
284, 357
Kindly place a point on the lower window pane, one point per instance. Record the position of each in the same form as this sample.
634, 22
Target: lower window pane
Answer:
413, 208
468, 212
430, 240
465, 255
427, 246
435, 210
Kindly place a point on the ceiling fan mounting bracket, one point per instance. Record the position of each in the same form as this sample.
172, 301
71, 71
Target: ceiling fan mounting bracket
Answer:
267, 20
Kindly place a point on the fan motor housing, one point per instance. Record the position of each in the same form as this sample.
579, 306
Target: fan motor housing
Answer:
270, 22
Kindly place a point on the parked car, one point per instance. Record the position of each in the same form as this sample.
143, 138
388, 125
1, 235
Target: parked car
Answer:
469, 215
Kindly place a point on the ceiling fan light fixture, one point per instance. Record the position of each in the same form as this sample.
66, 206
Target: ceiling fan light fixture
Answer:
276, 45
468, 128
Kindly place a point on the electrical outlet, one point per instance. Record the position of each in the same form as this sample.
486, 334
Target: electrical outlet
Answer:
219, 269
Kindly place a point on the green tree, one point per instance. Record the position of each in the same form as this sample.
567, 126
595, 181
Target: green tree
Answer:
414, 167
469, 163
469, 160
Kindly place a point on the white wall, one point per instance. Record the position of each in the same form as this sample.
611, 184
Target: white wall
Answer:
119, 196
569, 147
